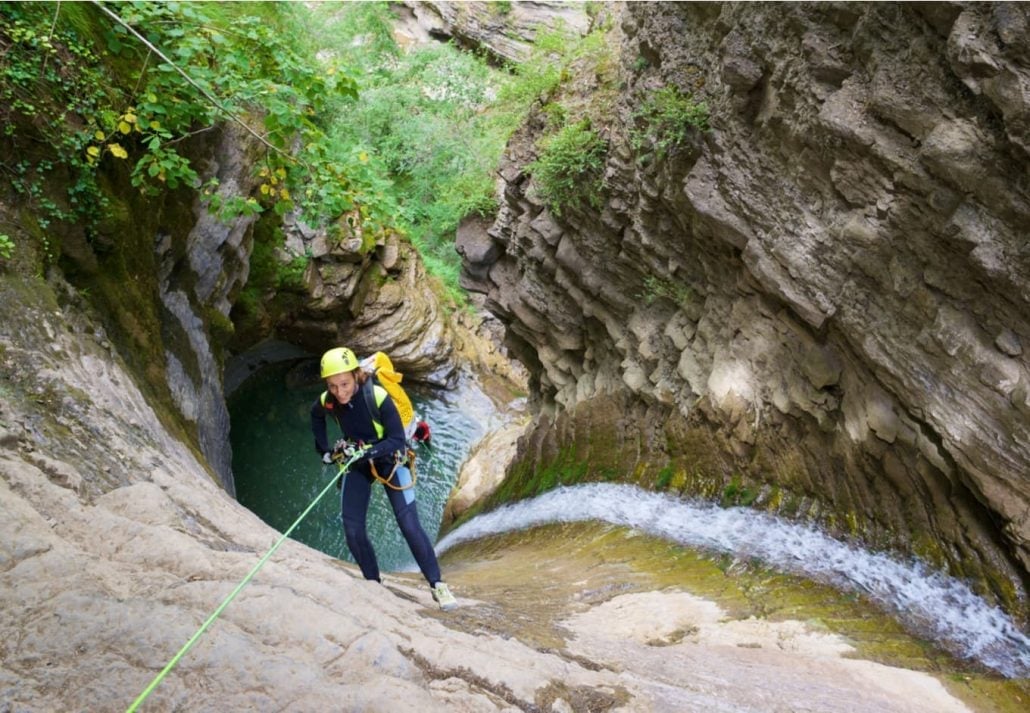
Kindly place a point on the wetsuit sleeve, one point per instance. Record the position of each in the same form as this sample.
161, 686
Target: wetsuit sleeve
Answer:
393, 432
318, 428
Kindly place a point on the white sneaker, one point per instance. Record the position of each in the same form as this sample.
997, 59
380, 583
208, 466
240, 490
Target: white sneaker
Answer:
443, 596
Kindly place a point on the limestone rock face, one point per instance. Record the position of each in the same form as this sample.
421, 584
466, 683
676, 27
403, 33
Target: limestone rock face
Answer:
505, 30
196, 277
830, 289
371, 298
483, 471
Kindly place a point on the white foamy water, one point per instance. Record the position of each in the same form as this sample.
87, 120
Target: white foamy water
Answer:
933, 604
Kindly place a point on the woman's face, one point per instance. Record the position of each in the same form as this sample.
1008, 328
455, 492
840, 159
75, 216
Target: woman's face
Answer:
342, 386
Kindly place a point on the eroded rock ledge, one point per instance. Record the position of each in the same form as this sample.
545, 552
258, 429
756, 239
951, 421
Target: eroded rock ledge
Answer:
823, 304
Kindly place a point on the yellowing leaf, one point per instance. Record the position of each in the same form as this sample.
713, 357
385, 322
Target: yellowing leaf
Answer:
264, 189
93, 151
284, 194
280, 172
99, 136
117, 151
124, 127
129, 117
155, 125
363, 157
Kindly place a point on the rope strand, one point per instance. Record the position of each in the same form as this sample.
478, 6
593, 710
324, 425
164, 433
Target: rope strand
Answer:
239, 587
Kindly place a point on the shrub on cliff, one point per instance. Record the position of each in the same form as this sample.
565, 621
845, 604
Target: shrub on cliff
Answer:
568, 173
665, 122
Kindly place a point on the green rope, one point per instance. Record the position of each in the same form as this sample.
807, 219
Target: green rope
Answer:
239, 587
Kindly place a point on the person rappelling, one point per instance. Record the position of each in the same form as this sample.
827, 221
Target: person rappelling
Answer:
369, 418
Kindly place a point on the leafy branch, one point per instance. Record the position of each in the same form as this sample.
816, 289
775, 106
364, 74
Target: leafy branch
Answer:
214, 101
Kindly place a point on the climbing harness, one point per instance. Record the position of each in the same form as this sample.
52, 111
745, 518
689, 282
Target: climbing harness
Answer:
397, 460
344, 449
343, 467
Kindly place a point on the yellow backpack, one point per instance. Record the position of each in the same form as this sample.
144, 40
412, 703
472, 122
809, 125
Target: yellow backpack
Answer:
381, 369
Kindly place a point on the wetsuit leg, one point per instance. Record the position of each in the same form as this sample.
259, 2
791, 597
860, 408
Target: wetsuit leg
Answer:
403, 504
357, 488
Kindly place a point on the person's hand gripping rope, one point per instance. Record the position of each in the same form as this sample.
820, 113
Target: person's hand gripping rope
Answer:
345, 454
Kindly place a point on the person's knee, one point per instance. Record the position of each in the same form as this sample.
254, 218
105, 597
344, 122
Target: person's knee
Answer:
406, 511
407, 520
354, 530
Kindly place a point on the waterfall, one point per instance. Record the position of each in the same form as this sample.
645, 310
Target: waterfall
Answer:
934, 605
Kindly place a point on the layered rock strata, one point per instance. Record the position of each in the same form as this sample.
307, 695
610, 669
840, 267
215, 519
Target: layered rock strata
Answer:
823, 302
371, 295
197, 274
506, 31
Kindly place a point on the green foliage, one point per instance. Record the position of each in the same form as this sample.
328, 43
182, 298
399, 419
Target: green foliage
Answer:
555, 115
48, 78
665, 477
65, 77
666, 121
533, 80
241, 60
568, 173
555, 59
424, 136
290, 276
82, 96
656, 288
575, 82
6, 246
736, 493
264, 264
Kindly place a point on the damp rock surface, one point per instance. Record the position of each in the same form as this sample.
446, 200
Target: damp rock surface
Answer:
104, 576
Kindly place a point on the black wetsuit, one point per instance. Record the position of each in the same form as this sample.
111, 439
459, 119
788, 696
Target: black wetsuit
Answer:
356, 423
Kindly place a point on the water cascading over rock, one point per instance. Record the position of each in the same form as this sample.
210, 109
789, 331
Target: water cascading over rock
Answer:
821, 304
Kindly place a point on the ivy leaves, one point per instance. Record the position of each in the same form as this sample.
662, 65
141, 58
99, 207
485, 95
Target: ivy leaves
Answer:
247, 68
125, 125
94, 92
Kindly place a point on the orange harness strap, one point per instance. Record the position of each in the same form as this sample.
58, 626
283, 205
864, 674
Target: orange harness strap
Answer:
396, 464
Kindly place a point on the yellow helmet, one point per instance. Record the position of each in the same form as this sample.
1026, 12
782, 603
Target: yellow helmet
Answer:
337, 361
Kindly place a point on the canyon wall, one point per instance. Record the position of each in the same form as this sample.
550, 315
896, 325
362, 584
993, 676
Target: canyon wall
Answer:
819, 305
